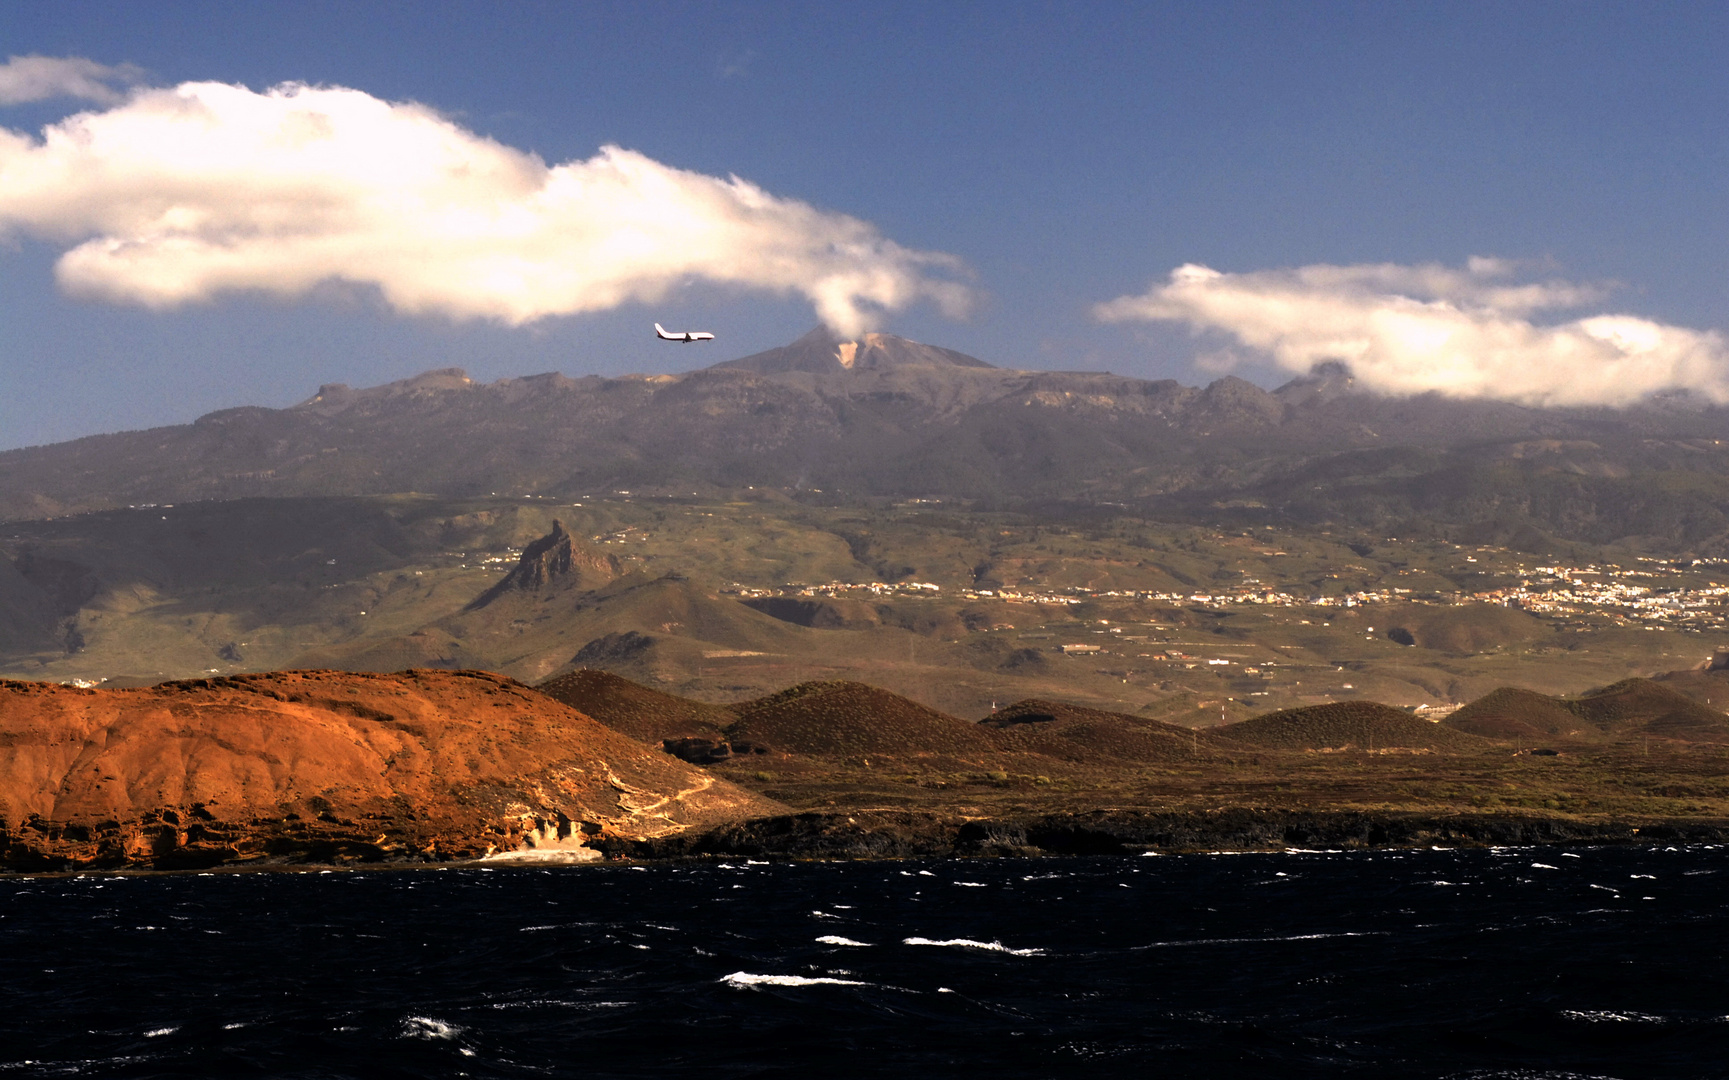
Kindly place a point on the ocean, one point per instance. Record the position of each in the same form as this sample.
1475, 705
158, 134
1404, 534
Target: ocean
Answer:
1527, 962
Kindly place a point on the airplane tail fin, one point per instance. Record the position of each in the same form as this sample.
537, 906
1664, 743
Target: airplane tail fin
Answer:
659, 330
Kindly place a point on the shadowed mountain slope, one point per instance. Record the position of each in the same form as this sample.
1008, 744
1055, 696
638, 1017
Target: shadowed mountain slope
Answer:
886, 416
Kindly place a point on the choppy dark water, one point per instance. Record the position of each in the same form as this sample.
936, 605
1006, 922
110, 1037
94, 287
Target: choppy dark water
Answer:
1514, 963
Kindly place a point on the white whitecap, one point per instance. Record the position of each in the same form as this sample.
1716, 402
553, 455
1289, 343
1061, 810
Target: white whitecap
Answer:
1543, 866
1260, 940
1612, 1016
744, 980
427, 1027
972, 884
835, 939
968, 943
156, 1032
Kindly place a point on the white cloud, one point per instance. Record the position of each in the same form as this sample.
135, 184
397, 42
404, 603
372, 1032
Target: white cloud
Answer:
39, 78
1463, 333
182, 194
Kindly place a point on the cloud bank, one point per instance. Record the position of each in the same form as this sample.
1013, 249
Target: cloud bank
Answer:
182, 194
41, 78
1416, 329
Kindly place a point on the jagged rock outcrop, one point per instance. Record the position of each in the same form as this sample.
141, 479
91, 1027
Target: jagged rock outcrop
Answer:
555, 558
323, 765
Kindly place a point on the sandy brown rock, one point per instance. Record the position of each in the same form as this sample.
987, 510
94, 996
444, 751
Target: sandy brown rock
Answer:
329, 765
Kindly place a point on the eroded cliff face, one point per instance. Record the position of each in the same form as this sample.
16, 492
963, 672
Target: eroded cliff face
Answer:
330, 766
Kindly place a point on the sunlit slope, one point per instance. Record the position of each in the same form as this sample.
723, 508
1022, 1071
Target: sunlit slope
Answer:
420, 763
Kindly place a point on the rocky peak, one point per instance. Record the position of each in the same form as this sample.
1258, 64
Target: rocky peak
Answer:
1325, 382
820, 352
334, 398
553, 559
1234, 401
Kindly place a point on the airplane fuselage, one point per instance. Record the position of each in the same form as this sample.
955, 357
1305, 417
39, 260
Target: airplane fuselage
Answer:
685, 336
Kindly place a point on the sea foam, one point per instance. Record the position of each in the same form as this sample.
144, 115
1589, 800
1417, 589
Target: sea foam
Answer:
968, 943
744, 980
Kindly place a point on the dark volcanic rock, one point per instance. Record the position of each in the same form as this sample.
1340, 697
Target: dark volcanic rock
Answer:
896, 834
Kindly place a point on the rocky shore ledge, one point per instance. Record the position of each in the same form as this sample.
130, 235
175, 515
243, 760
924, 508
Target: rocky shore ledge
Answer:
885, 835
896, 834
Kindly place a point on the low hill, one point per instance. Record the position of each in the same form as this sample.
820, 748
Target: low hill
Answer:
1650, 709
1466, 628
1358, 725
1510, 714
419, 764
1707, 686
1631, 708
647, 715
839, 718
1076, 733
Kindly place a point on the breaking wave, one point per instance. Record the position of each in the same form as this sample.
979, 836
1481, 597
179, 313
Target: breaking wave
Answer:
744, 980
968, 943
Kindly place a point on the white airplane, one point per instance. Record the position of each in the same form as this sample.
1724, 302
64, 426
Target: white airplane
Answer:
687, 337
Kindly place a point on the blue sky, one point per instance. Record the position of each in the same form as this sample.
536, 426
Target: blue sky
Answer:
1068, 155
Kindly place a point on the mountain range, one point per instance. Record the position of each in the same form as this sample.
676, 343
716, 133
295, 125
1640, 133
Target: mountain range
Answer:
884, 417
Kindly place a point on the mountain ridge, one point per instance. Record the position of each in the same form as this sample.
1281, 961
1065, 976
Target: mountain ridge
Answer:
909, 420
